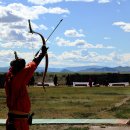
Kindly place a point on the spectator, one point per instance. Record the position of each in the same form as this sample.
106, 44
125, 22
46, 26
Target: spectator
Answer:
90, 82
55, 80
68, 80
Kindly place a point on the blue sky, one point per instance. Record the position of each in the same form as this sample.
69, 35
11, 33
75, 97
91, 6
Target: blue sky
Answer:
93, 32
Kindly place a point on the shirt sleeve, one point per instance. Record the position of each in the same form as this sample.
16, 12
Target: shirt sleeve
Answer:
29, 69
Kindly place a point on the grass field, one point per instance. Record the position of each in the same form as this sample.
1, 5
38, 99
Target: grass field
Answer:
70, 102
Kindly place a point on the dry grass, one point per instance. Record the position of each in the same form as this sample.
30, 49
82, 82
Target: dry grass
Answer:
56, 127
69, 102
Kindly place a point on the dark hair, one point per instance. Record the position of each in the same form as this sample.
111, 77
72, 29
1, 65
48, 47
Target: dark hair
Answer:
17, 65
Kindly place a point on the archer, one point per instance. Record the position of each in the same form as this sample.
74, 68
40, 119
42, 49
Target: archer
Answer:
17, 78
18, 101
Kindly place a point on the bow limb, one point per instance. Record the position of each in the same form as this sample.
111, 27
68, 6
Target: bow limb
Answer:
46, 68
46, 56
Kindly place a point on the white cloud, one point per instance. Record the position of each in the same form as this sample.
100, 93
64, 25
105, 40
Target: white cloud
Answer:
6, 56
73, 55
63, 42
43, 2
7, 16
118, 2
104, 1
43, 27
81, 0
6, 53
11, 12
113, 58
125, 59
14, 24
73, 33
120, 59
88, 1
107, 38
72, 58
80, 43
124, 26
0, 1
28, 56
96, 58
15, 35
78, 58
57, 10
81, 57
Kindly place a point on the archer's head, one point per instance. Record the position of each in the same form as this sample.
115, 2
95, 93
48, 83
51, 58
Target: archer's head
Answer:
18, 64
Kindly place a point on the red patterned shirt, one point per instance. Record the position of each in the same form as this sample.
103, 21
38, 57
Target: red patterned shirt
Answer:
16, 90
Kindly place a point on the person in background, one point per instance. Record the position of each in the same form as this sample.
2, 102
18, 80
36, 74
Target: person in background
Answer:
90, 82
55, 80
68, 82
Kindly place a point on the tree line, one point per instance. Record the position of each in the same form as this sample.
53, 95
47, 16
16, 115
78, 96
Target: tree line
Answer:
69, 78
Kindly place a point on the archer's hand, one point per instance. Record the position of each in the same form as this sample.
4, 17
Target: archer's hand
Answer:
38, 59
44, 50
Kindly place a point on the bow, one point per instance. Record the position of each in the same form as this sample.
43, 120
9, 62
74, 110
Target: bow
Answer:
44, 43
51, 33
46, 56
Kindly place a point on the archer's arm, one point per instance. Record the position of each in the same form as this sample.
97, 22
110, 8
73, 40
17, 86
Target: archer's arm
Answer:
31, 67
38, 59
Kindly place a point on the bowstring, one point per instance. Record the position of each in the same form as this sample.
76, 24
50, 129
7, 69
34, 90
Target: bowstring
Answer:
32, 45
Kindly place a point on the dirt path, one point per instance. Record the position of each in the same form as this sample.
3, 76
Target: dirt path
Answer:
76, 127
122, 102
116, 105
109, 128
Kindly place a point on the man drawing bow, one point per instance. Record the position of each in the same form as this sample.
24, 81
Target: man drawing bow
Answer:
18, 101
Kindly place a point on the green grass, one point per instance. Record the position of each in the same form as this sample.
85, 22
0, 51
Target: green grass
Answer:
69, 102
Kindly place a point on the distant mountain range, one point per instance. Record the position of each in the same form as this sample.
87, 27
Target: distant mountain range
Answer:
97, 69
81, 69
